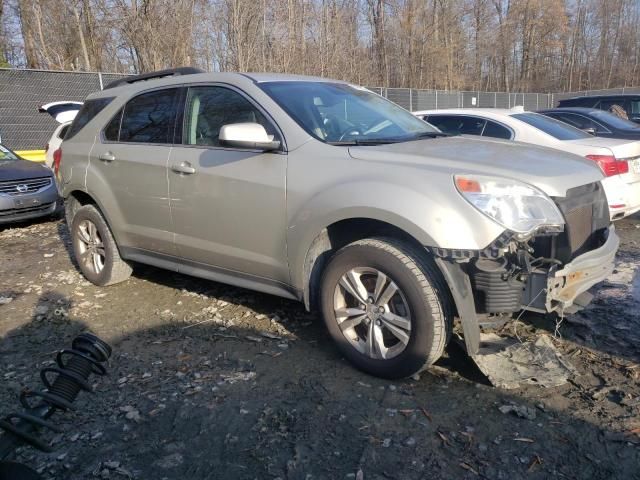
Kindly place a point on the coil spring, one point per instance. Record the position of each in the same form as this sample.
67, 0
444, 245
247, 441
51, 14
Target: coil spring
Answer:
74, 366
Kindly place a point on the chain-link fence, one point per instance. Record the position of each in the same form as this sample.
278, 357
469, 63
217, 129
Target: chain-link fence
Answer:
22, 127
413, 99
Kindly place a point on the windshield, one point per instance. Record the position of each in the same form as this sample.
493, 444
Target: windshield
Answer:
7, 155
614, 120
344, 114
551, 126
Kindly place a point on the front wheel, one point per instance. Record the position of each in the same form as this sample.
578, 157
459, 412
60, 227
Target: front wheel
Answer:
386, 307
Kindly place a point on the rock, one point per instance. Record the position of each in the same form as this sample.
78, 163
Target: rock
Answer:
519, 410
133, 415
410, 442
386, 443
5, 300
111, 465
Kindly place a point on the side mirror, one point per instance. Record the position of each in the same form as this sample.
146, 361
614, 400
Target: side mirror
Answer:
590, 130
247, 135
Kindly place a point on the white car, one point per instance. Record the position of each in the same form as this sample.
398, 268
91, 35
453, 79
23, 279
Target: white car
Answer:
619, 160
63, 113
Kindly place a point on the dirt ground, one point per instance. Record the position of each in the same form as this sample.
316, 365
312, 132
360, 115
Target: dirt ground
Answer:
209, 381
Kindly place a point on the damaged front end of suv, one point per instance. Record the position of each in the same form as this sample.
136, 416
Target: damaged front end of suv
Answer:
552, 251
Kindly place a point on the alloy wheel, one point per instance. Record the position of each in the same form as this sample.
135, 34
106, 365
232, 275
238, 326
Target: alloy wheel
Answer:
372, 313
91, 248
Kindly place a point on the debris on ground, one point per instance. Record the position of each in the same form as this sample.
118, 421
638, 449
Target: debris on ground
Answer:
191, 397
509, 364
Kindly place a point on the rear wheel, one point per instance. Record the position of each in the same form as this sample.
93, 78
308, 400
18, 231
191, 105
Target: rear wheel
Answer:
385, 306
95, 248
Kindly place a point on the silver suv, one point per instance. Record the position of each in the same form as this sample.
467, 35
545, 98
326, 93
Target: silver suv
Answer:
324, 192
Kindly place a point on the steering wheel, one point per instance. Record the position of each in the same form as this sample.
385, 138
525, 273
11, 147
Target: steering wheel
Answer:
352, 130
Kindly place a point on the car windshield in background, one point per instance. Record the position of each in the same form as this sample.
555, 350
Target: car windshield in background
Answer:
344, 114
7, 155
614, 120
550, 126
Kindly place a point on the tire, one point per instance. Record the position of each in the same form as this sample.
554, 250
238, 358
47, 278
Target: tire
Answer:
421, 302
95, 249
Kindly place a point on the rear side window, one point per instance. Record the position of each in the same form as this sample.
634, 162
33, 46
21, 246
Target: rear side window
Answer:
607, 104
112, 130
495, 130
150, 117
63, 132
458, 124
551, 126
89, 110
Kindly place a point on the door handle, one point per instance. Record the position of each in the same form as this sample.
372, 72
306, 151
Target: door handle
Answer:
184, 167
107, 157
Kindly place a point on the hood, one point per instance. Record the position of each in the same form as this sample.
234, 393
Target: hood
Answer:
552, 171
62, 112
620, 148
11, 170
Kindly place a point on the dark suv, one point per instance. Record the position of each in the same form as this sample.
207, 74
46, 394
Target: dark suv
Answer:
630, 103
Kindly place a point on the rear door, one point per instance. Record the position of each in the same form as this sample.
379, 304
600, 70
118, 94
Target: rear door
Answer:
228, 204
131, 160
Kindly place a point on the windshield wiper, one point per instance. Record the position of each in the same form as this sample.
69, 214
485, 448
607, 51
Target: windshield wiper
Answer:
429, 135
386, 141
372, 141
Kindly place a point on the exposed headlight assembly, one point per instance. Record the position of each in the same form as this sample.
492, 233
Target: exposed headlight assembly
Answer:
517, 206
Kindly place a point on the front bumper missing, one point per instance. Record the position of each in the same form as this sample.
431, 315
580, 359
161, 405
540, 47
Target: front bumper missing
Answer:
566, 285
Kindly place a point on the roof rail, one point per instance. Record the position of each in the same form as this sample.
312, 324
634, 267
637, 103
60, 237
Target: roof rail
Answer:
151, 75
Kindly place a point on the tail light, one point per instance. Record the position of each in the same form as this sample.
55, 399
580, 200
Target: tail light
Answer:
57, 158
610, 165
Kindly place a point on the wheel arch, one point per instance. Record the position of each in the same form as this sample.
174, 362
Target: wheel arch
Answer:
332, 238
79, 198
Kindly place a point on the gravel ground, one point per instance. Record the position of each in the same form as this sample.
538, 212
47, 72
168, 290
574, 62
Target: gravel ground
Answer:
209, 381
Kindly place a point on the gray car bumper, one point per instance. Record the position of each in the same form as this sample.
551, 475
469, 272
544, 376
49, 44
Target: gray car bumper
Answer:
576, 277
16, 208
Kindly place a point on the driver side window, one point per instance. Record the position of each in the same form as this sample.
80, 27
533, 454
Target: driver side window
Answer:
208, 109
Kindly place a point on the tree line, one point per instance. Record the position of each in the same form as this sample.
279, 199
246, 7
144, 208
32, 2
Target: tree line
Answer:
490, 45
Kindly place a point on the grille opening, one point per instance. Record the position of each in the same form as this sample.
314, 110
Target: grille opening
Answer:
586, 214
23, 187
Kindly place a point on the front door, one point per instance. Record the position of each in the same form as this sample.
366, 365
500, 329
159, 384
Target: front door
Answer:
227, 204
132, 159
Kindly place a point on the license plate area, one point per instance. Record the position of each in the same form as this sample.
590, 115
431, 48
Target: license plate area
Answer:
26, 202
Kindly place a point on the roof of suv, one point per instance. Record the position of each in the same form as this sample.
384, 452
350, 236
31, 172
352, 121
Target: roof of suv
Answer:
235, 77
612, 95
